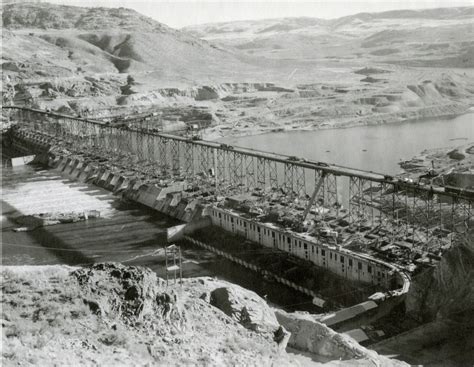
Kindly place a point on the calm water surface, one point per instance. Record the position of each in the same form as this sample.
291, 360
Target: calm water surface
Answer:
375, 148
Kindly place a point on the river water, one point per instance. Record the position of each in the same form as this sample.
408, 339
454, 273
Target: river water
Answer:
125, 232
376, 148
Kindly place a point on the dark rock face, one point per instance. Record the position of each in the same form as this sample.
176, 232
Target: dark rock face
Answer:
245, 307
129, 293
447, 291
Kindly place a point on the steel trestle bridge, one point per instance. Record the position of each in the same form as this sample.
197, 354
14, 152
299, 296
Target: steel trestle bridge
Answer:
372, 197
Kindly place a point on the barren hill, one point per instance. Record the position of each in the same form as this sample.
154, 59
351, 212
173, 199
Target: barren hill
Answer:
244, 77
401, 35
52, 40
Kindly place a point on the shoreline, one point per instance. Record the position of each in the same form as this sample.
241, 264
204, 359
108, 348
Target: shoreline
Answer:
343, 125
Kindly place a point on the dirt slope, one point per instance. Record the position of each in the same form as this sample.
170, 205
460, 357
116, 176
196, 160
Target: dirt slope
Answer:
74, 41
110, 314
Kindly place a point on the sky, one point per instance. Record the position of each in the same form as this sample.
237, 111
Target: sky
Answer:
178, 14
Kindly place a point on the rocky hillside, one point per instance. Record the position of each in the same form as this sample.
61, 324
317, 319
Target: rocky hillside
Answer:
88, 52
243, 77
110, 314
106, 40
446, 291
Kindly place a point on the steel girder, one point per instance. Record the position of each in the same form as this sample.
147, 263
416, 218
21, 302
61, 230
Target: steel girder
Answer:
250, 172
220, 168
462, 215
360, 199
140, 145
300, 184
162, 151
150, 145
381, 202
211, 154
288, 177
272, 174
261, 173
188, 160
420, 212
203, 159
236, 169
330, 191
174, 150
400, 212
319, 181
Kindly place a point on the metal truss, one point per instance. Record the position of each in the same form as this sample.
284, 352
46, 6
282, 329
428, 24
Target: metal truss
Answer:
272, 173
319, 181
330, 191
150, 145
220, 168
174, 150
288, 177
188, 160
140, 145
261, 172
250, 172
162, 151
203, 159
400, 212
211, 156
420, 220
360, 199
300, 187
236, 169
462, 215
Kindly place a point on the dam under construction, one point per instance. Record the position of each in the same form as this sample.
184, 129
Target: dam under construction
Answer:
321, 229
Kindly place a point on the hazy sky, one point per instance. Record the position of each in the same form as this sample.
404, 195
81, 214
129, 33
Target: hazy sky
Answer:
182, 13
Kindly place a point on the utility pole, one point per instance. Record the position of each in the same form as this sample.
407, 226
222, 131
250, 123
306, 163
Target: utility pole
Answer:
175, 252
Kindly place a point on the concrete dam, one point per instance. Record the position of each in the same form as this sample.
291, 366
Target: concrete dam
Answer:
378, 231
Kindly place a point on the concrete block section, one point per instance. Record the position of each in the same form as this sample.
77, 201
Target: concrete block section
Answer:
21, 161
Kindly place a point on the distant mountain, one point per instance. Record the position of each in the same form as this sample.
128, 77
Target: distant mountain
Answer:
401, 35
253, 27
246, 27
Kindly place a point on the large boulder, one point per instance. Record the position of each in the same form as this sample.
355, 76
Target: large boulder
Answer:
246, 307
311, 336
126, 292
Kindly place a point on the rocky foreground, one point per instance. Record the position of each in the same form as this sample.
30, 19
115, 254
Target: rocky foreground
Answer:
110, 314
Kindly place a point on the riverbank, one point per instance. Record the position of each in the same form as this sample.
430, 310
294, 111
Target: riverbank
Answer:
452, 166
377, 148
223, 132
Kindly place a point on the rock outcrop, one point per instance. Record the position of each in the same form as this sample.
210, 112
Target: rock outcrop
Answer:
446, 291
311, 336
113, 314
246, 307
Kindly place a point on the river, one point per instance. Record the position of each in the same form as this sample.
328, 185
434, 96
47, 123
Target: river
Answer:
377, 148
125, 232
